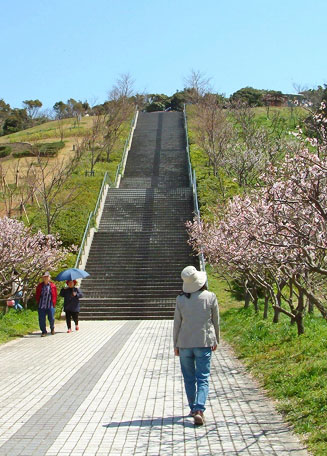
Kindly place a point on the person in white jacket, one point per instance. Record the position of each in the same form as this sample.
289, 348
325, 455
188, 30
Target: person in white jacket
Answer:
196, 335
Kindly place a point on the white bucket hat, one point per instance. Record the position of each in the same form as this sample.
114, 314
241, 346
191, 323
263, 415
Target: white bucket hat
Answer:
193, 279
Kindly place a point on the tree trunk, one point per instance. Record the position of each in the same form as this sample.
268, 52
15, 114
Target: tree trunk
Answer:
298, 317
247, 299
279, 303
48, 217
255, 299
266, 306
299, 323
276, 311
310, 306
92, 162
276, 316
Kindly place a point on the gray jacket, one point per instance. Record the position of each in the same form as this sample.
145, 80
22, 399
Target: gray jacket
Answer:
196, 320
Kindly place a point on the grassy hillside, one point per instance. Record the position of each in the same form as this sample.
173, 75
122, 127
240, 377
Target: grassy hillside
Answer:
45, 133
50, 130
278, 122
71, 223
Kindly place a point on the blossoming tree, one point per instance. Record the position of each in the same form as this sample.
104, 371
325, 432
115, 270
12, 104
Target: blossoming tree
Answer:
276, 237
26, 253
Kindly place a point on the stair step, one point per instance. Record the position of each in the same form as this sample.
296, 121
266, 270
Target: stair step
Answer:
158, 301
141, 246
127, 317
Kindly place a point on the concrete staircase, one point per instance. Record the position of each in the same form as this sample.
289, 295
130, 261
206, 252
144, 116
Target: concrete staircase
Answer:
141, 246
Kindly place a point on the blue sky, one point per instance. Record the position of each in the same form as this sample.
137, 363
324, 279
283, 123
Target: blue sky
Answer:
55, 50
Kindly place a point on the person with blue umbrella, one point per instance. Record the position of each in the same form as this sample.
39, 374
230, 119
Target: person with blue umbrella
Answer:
71, 295
72, 274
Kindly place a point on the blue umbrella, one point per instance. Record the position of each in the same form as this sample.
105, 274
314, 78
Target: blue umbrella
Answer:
72, 274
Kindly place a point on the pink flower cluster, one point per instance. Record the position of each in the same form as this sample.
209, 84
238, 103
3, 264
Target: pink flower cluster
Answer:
27, 253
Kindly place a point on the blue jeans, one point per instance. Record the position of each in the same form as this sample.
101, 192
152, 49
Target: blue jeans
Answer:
17, 297
195, 364
42, 319
18, 306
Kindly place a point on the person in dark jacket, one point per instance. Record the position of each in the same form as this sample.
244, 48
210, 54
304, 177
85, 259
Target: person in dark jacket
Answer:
71, 295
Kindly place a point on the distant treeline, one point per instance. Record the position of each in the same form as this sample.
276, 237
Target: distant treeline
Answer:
17, 119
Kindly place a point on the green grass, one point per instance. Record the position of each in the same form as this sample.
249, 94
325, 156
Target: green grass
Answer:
220, 288
16, 324
49, 130
289, 118
292, 369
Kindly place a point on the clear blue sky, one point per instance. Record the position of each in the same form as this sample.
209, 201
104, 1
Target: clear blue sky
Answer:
57, 49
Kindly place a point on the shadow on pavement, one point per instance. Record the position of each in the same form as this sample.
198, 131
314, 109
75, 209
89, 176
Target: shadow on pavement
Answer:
179, 420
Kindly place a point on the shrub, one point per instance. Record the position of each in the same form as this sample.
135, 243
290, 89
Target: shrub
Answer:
44, 149
50, 149
5, 151
249, 95
24, 153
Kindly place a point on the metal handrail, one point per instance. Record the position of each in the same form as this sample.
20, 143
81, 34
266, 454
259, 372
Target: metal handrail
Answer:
187, 147
121, 166
192, 177
117, 174
86, 231
131, 128
91, 215
195, 193
104, 180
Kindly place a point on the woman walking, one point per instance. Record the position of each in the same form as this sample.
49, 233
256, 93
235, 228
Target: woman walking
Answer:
71, 296
196, 335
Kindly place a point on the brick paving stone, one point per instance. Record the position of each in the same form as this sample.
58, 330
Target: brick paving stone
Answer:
115, 388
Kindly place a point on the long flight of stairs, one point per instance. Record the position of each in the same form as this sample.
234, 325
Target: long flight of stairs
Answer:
141, 246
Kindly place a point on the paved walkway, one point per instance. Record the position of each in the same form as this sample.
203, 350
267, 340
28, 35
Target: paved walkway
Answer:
115, 388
